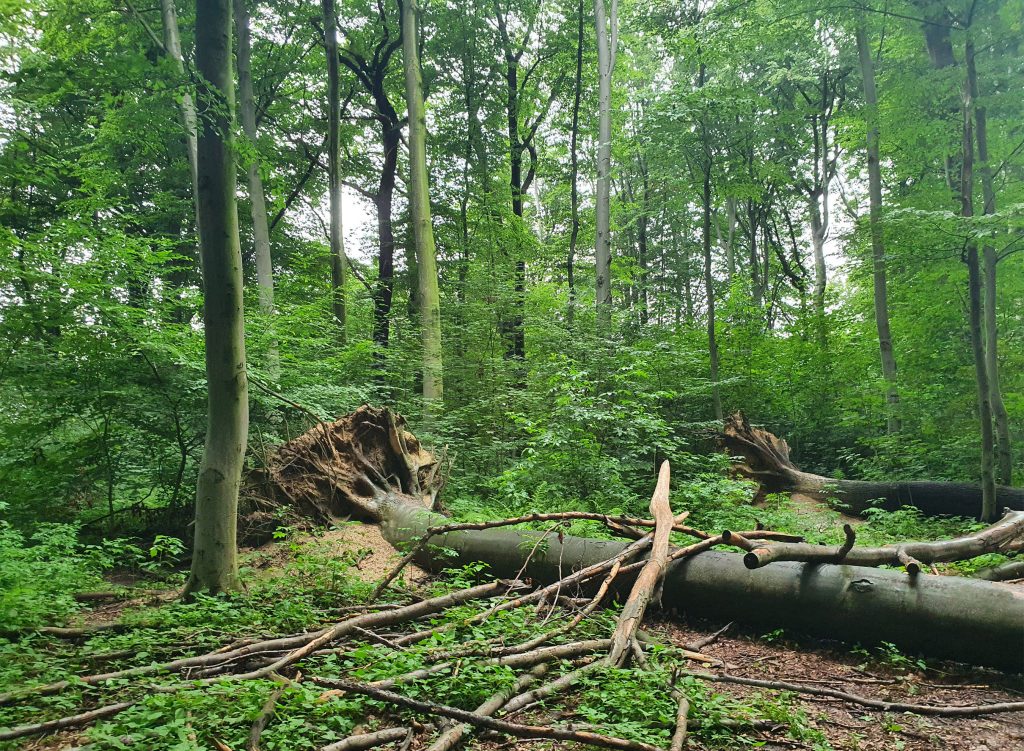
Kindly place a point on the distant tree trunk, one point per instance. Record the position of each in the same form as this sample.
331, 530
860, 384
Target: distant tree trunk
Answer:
419, 209
819, 230
757, 284
574, 165
384, 289
181, 270
260, 229
338, 301
516, 349
877, 240
1004, 453
730, 236
709, 278
186, 107
642, 248
607, 41
976, 314
709, 288
214, 560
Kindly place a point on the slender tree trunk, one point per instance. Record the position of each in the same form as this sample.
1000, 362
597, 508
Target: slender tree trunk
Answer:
709, 279
186, 107
606, 44
642, 248
516, 349
709, 288
687, 278
730, 236
260, 228
338, 261
976, 313
877, 240
1004, 453
757, 285
214, 560
574, 165
384, 289
419, 209
819, 228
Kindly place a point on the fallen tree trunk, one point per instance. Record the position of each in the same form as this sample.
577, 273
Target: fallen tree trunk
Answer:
941, 616
354, 464
765, 459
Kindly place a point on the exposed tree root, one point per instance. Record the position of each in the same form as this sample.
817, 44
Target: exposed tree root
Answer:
765, 459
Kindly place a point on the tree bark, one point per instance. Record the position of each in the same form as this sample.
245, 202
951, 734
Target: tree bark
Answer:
606, 48
214, 559
337, 242
419, 209
574, 165
941, 616
258, 206
709, 278
1004, 452
186, 108
881, 297
975, 287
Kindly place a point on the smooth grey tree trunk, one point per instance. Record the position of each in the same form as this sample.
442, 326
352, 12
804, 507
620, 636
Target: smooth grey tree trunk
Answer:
419, 209
214, 559
186, 107
338, 261
258, 205
1004, 451
881, 297
607, 41
941, 616
728, 241
574, 166
976, 291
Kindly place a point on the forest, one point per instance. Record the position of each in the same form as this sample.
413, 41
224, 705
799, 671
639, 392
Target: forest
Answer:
554, 374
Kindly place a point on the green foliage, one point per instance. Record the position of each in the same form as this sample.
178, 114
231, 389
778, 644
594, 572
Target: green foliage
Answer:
40, 574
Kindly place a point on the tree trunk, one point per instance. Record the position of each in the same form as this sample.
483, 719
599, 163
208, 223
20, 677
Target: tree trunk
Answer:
516, 347
892, 397
368, 464
766, 461
214, 560
975, 313
338, 261
1004, 452
186, 107
709, 288
709, 279
642, 249
729, 241
603, 249
819, 228
419, 209
574, 165
260, 228
941, 616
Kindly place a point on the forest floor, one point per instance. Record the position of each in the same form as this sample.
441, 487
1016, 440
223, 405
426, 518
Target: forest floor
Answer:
809, 722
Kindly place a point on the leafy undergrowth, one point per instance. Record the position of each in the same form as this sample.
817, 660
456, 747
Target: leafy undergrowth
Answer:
306, 592
302, 586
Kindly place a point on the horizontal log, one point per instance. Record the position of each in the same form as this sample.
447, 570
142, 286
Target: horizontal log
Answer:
909, 554
940, 616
